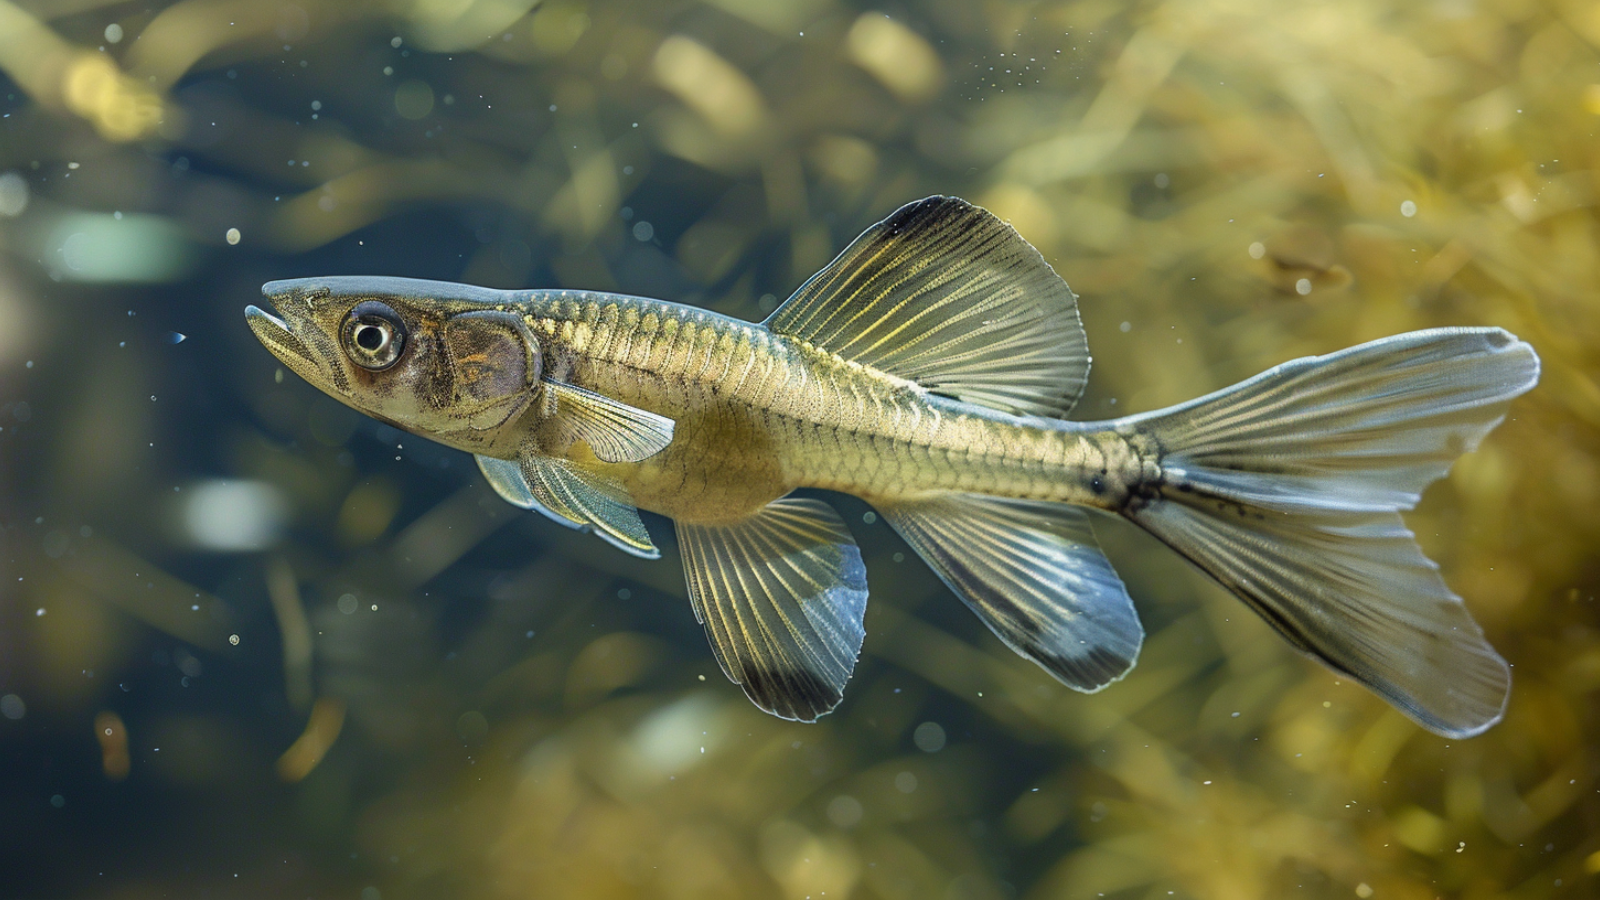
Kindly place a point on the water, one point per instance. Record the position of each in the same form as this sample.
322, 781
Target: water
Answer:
252, 644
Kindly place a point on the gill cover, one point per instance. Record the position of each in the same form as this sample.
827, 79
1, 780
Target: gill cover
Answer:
494, 366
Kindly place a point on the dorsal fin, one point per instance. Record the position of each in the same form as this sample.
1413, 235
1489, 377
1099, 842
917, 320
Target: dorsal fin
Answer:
945, 294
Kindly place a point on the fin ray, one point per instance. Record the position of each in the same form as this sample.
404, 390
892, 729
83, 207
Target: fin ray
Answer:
594, 502
1287, 489
781, 597
1034, 573
615, 431
947, 295
508, 481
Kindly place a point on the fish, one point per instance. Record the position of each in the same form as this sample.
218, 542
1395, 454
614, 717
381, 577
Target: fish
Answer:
929, 370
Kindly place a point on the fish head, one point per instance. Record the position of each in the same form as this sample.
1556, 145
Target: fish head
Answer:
446, 361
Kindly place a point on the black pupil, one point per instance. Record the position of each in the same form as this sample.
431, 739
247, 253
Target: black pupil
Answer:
369, 337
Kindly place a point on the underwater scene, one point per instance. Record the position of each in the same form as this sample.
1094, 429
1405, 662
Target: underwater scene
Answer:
257, 643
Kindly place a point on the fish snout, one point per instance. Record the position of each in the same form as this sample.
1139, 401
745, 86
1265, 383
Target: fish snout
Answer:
289, 309
280, 327
290, 292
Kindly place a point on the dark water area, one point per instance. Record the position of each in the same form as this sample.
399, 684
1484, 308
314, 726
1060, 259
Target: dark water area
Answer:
254, 644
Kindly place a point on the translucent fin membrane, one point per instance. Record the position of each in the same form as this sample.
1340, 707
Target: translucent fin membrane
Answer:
781, 596
1035, 575
946, 295
1287, 488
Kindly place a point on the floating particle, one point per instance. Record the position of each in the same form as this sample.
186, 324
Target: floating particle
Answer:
929, 737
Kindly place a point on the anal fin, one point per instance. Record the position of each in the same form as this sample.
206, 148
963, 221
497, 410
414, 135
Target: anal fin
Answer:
781, 597
1034, 574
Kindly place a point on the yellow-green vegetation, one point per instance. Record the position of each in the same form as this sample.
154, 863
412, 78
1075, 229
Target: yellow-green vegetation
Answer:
490, 707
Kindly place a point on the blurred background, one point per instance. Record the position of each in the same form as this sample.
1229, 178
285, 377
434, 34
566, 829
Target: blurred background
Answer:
255, 645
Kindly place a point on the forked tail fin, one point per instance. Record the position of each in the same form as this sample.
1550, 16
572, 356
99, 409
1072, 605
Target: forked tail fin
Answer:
1287, 489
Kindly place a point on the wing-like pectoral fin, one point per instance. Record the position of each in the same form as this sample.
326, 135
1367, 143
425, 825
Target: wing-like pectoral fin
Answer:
600, 503
1034, 574
781, 597
508, 481
615, 431
572, 496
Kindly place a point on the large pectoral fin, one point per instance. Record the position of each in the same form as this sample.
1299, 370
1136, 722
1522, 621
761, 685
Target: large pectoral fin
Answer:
600, 503
781, 597
615, 431
572, 496
1034, 573
507, 480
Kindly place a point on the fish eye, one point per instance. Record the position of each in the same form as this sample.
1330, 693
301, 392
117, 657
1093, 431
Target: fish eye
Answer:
374, 336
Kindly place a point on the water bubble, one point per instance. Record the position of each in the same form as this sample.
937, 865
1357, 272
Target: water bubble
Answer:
472, 727
13, 194
905, 782
12, 707
233, 236
929, 737
113, 33
413, 99
1408, 209
845, 811
1302, 287
55, 544
643, 231
1258, 250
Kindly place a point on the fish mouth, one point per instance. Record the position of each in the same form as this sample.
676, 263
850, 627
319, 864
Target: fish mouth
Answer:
289, 329
277, 336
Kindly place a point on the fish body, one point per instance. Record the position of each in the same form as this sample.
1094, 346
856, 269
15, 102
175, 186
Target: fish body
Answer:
929, 370
760, 414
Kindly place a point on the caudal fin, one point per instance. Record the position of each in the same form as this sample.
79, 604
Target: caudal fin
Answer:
1287, 489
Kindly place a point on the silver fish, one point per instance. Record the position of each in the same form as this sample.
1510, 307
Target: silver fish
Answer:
929, 370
